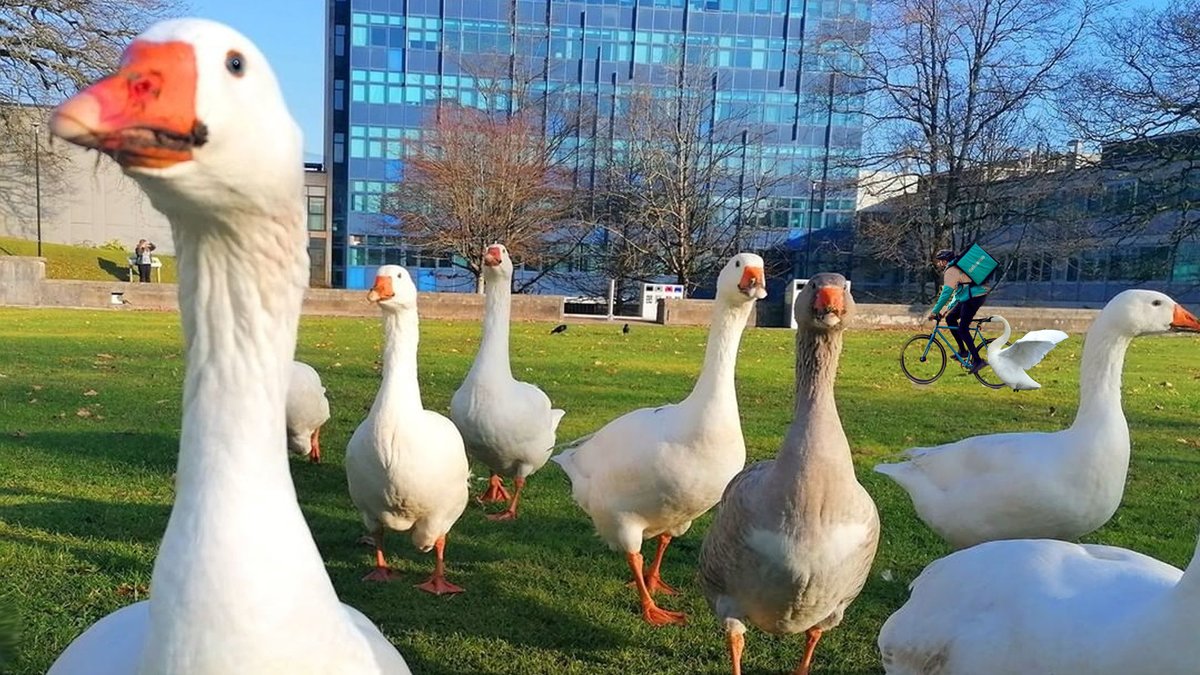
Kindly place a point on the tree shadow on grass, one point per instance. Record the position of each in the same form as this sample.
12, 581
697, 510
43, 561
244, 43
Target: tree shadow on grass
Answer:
84, 518
118, 271
149, 451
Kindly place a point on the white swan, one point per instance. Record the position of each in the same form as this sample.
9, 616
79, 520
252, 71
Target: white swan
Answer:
406, 466
792, 542
507, 425
1042, 606
307, 411
1010, 362
196, 117
651, 472
1058, 485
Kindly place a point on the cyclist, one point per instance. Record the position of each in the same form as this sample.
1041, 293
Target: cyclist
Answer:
965, 297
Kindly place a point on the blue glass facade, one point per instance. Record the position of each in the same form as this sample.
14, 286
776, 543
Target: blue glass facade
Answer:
391, 62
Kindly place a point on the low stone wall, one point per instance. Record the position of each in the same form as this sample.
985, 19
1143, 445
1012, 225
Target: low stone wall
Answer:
1022, 319
23, 283
688, 312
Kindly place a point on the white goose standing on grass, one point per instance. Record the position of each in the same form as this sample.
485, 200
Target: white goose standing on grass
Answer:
196, 117
1054, 485
1042, 606
507, 425
1010, 362
651, 472
793, 539
307, 411
406, 465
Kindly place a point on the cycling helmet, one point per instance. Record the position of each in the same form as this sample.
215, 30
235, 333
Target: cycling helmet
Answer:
944, 254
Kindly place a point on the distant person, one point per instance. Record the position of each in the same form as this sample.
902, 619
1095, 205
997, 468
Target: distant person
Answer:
141, 255
965, 298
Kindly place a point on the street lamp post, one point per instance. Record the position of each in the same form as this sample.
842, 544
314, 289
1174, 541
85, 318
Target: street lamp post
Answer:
812, 203
37, 183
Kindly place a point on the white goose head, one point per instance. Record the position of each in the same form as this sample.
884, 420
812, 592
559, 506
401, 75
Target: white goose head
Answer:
1142, 312
824, 303
191, 101
497, 265
393, 289
742, 279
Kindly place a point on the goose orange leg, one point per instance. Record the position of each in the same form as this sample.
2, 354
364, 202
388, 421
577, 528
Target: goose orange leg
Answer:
381, 572
654, 582
495, 491
314, 451
737, 642
652, 613
511, 512
437, 583
814, 636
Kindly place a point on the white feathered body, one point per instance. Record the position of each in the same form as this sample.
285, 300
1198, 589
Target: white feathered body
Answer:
307, 407
408, 471
655, 470
1056, 485
506, 424
1046, 607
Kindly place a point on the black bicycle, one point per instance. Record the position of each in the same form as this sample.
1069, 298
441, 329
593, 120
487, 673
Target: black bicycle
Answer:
923, 357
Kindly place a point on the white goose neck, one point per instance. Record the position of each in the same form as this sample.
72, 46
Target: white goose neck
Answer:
493, 345
1189, 585
1004, 335
399, 388
815, 440
235, 508
1100, 374
715, 385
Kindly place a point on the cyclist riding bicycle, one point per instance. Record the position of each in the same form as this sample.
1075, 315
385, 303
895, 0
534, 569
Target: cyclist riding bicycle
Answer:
965, 297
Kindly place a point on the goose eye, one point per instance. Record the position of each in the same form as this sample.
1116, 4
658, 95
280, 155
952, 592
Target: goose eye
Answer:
737, 263
235, 63
1157, 303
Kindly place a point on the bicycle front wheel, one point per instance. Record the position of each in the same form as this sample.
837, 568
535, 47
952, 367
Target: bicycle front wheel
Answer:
923, 359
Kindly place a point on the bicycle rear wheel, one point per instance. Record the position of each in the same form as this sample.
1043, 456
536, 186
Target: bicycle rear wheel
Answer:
923, 359
988, 378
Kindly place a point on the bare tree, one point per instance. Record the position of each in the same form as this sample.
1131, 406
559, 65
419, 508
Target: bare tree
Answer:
957, 95
675, 194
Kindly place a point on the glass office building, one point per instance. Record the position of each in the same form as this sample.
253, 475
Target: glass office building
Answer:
390, 62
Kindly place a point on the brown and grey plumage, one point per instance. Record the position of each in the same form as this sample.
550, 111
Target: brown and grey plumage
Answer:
793, 541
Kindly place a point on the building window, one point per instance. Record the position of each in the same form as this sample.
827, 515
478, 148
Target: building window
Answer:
316, 213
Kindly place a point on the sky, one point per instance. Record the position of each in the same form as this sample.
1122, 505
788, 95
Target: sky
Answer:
291, 33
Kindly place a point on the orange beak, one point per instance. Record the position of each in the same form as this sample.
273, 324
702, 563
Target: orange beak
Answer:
144, 115
830, 299
493, 256
382, 290
1184, 321
752, 278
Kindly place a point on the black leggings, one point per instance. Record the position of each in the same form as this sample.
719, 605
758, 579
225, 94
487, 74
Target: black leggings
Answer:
143, 272
959, 320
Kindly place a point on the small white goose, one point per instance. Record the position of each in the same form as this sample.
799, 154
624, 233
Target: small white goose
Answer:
792, 542
1058, 485
1010, 362
1043, 606
507, 425
195, 116
406, 466
651, 472
307, 411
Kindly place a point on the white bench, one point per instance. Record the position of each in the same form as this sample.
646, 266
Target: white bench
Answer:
155, 268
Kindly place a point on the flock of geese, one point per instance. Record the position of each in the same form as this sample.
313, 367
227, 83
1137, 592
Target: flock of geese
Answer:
195, 116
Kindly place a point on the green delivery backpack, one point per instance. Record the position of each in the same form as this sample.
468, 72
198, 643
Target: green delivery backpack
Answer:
977, 264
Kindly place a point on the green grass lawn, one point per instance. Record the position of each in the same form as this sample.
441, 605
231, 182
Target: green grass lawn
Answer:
89, 422
82, 262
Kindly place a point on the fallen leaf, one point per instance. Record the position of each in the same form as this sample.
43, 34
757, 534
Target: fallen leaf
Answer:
91, 392
83, 412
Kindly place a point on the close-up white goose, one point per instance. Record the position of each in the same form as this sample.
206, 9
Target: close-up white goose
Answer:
196, 118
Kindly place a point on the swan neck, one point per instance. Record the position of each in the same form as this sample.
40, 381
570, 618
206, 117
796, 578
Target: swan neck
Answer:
716, 381
1004, 335
1100, 373
399, 388
497, 309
